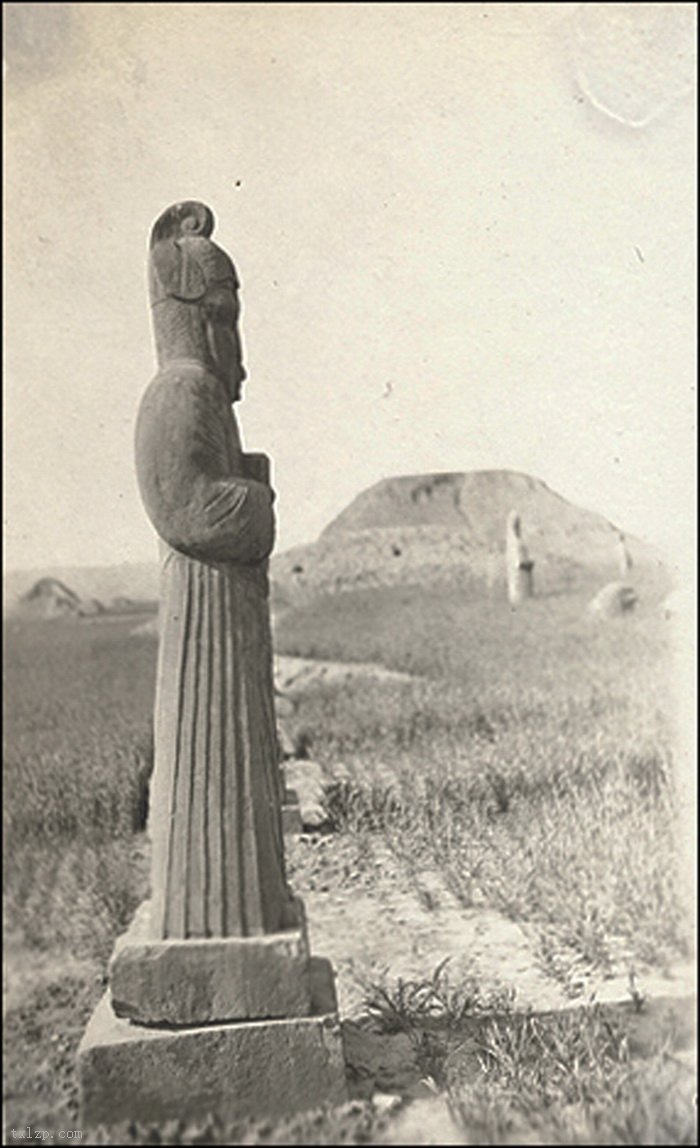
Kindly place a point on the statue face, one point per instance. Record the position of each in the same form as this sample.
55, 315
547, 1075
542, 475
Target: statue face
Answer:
221, 313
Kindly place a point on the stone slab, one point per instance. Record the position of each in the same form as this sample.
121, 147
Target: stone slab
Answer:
202, 981
253, 1069
307, 780
291, 820
291, 813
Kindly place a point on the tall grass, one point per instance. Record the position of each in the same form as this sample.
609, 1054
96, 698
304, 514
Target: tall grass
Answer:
537, 774
77, 755
444, 633
77, 730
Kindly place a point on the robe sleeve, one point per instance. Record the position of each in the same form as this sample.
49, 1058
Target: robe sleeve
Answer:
193, 501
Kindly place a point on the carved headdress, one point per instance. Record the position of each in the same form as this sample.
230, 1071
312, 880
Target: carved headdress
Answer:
184, 261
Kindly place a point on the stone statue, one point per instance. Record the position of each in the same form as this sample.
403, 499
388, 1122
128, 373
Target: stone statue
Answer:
215, 1005
519, 565
624, 558
218, 862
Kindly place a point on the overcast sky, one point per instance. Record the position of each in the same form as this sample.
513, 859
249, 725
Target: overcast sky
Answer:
465, 235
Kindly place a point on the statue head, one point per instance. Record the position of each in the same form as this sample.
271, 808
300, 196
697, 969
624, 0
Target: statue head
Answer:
194, 295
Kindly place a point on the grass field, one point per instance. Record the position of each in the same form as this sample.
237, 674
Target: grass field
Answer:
77, 745
530, 760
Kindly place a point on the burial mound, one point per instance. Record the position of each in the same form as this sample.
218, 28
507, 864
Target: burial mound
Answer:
449, 528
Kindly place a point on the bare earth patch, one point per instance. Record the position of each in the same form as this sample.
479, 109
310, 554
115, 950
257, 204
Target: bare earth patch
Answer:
380, 926
295, 675
371, 919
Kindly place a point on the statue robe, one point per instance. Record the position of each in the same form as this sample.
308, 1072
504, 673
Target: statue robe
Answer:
215, 821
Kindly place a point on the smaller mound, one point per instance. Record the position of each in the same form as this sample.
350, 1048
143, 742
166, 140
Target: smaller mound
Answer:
124, 605
49, 598
614, 599
90, 608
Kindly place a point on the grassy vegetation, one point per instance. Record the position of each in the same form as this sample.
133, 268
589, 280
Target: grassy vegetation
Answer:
77, 739
571, 1080
558, 1078
530, 761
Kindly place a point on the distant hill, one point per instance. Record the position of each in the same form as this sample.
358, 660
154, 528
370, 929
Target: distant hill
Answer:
51, 598
125, 588
450, 528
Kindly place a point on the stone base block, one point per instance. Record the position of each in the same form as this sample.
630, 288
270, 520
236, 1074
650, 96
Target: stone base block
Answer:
291, 813
194, 982
256, 1069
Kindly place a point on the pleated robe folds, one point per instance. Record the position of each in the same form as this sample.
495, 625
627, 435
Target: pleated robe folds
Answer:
215, 820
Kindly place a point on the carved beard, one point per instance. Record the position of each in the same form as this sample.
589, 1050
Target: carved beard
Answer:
224, 352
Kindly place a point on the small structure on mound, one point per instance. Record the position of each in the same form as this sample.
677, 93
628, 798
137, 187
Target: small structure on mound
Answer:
613, 600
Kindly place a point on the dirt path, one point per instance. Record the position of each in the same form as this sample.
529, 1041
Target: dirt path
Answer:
378, 925
295, 675
372, 920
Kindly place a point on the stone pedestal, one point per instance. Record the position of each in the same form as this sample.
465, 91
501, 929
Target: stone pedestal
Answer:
194, 982
231, 1027
521, 583
257, 1069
